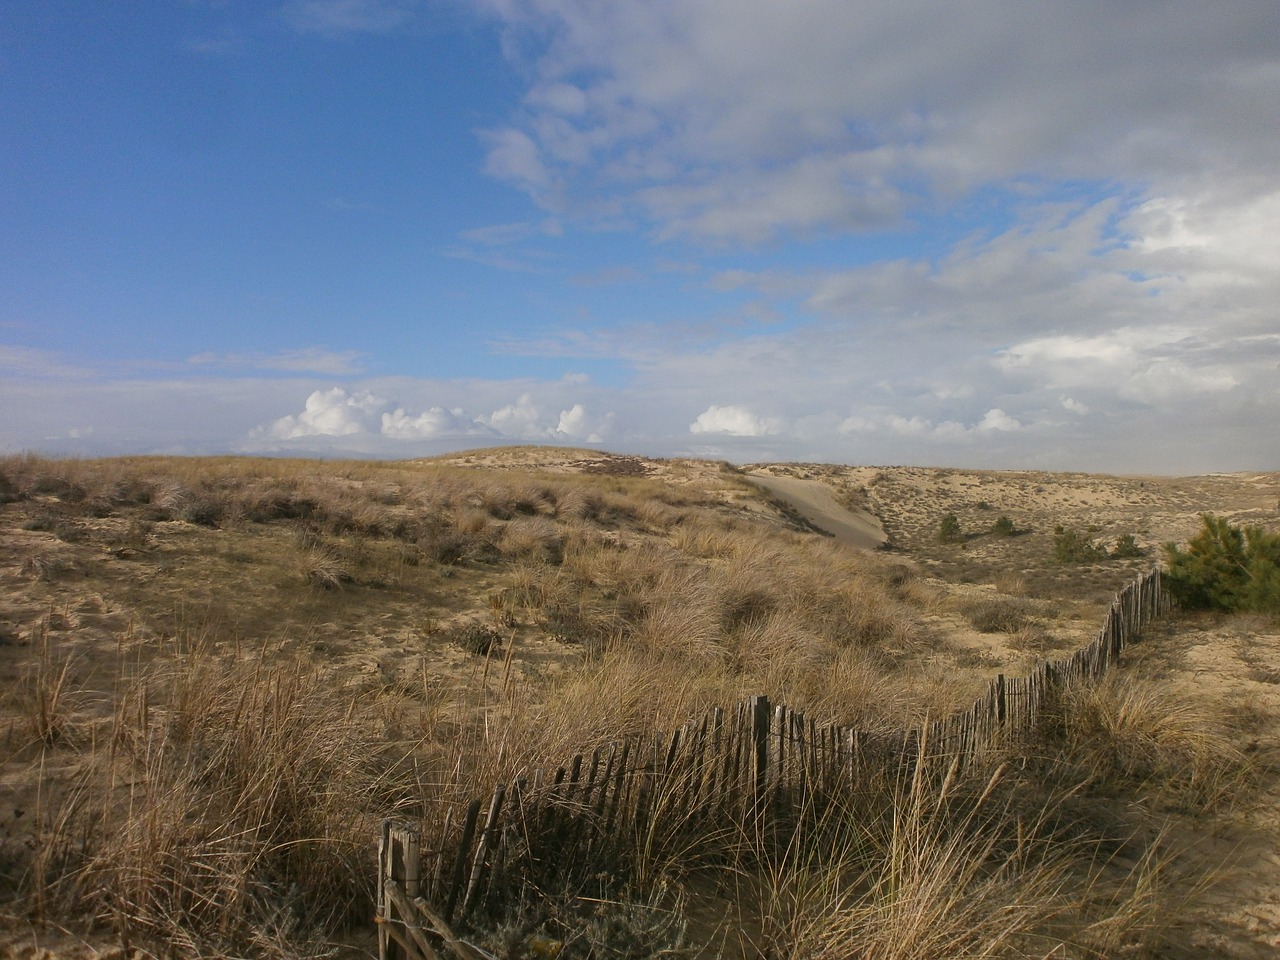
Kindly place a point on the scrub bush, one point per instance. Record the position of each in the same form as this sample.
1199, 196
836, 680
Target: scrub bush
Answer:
1226, 568
949, 529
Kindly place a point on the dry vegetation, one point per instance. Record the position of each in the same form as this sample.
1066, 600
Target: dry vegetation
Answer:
222, 673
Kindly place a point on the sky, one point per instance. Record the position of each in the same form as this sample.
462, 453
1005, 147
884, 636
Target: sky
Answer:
1003, 233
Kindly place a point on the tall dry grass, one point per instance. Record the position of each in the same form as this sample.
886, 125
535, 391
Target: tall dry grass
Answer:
229, 808
926, 876
1133, 734
228, 803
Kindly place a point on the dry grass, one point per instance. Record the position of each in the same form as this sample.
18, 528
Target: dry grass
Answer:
923, 880
227, 808
1127, 734
321, 567
44, 690
254, 661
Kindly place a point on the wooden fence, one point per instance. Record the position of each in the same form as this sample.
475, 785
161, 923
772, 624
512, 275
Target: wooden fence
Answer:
744, 770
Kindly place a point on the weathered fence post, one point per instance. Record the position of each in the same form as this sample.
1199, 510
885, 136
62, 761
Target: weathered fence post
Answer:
760, 717
399, 860
487, 837
460, 863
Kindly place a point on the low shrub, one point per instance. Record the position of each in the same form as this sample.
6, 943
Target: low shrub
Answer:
1226, 568
202, 511
997, 615
949, 529
1071, 546
1127, 548
476, 638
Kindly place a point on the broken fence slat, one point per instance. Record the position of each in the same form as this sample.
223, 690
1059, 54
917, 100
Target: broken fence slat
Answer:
407, 910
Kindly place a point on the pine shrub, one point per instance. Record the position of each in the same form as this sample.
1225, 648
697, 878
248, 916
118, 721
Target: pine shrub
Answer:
1226, 568
949, 529
1071, 546
1127, 548
1004, 527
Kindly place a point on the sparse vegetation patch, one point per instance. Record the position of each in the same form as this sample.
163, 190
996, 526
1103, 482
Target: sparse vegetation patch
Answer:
1071, 546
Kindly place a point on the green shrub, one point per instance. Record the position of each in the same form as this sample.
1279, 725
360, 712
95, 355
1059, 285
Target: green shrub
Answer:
1226, 568
949, 529
1004, 527
1127, 548
1071, 546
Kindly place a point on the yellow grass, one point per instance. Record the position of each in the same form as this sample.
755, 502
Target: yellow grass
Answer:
234, 668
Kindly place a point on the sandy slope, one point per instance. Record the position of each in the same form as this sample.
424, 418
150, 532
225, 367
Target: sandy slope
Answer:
812, 500
1235, 663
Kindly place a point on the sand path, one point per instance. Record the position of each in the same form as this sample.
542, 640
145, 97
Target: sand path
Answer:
812, 499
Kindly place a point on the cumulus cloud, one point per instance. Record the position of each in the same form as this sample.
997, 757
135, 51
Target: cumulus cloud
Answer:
736, 421
577, 424
431, 423
994, 420
997, 419
331, 413
519, 419
364, 420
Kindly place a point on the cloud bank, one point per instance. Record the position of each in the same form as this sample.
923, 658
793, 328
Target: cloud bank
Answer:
337, 419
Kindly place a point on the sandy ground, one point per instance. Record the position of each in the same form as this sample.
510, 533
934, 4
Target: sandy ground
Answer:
812, 499
1233, 662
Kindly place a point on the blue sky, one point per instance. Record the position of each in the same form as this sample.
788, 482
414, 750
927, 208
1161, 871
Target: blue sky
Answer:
1000, 234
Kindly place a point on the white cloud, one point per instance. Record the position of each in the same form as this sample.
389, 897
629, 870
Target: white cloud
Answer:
331, 413
739, 119
577, 424
855, 424
365, 417
1151, 365
1075, 406
997, 419
501, 234
519, 419
40, 364
514, 156
435, 422
910, 426
736, 421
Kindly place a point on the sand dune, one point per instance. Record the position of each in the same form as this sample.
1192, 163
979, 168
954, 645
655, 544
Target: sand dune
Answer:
812, 499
